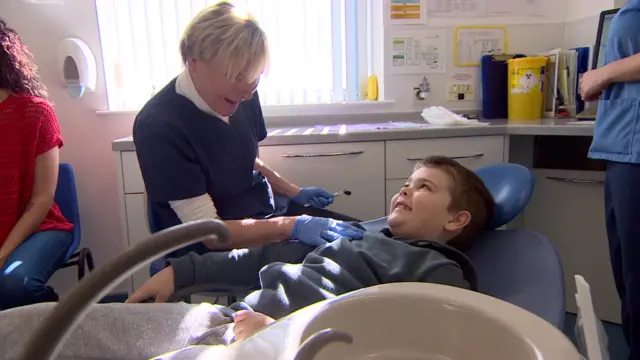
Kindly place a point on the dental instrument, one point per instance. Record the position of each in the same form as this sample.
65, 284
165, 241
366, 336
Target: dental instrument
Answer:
337, 193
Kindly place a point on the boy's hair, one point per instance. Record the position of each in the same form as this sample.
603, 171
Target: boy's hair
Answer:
468, 193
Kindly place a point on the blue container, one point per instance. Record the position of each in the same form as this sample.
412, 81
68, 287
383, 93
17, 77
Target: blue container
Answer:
495, 85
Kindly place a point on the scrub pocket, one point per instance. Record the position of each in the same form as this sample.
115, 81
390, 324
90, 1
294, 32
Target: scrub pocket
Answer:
616, 127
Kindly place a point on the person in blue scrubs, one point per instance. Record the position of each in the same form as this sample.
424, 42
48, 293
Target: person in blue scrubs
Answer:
197, 143
617, 140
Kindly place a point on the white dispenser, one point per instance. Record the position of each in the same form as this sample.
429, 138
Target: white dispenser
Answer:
77, 67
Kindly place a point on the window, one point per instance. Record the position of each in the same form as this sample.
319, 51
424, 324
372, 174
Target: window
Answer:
319, 48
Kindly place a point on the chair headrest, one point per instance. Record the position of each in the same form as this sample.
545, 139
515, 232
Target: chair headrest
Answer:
511, 186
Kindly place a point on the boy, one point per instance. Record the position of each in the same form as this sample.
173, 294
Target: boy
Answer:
442, 201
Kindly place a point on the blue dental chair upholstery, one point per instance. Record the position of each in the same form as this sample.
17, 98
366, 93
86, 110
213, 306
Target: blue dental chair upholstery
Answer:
519, 266
67, 200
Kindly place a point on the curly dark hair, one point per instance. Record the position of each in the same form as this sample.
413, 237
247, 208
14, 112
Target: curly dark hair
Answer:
18, 71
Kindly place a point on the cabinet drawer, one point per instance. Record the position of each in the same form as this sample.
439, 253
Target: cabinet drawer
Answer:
568, 207
132, 177
137, 231
473, 152
358, 167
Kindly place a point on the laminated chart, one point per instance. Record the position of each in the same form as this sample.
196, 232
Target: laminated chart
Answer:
406, 12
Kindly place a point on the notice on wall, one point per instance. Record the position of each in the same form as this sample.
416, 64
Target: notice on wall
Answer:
485, 8
457, 8
407, 12
516, 8
473, 42
418, 52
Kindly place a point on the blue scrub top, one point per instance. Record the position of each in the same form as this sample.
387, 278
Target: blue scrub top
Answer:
617, 128
184, 152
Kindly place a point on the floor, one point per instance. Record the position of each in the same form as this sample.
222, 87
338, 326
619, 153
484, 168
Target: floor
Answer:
617, 345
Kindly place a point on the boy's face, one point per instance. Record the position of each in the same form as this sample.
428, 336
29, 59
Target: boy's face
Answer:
421, 208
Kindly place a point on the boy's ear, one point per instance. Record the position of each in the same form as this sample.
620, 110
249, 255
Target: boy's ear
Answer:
458, 221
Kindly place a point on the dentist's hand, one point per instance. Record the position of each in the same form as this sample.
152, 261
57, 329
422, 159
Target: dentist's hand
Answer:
314, 196
157, 289
316, 231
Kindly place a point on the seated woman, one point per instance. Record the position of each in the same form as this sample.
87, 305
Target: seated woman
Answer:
34, 236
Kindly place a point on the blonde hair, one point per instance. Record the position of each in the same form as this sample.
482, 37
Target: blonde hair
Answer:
233, 37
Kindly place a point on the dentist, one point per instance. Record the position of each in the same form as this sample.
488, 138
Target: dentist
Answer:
197, 144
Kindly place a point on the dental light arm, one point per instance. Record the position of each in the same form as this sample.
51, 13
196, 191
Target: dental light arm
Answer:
47, 340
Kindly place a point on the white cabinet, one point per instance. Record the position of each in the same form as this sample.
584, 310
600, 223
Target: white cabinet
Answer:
132, 177
358, 167
137, 230
568, 207
472, 152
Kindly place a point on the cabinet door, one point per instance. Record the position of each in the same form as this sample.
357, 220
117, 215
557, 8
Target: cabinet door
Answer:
137, 231
358, 167
568, 207
472, 152
133, 183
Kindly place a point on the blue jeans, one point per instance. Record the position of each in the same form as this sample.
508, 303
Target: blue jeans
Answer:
24, 275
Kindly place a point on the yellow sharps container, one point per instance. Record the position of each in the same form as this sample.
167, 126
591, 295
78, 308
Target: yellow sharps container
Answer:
527, 77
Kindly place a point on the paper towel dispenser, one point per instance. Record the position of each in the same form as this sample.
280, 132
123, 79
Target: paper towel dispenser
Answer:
77, 66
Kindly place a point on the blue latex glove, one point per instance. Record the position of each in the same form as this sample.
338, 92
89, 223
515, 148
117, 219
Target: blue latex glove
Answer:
314, 196
316, 231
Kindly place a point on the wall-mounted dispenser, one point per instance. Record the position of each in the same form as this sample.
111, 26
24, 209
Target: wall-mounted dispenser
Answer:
77, 66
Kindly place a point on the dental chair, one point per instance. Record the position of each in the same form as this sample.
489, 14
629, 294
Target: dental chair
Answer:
519, 266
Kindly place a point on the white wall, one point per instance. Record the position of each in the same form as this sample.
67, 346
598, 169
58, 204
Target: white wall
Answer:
88, 137
578, 9
582, 24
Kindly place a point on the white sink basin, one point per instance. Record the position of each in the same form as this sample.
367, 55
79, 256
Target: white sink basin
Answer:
434, 322
407, 321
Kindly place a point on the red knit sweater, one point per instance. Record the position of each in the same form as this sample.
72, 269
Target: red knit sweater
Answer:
28, 128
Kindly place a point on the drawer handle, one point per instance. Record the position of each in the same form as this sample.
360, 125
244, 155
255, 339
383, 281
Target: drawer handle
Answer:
577, 181
357, 152
473, 156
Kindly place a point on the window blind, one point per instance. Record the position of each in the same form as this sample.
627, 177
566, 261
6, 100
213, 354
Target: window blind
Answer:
316, 48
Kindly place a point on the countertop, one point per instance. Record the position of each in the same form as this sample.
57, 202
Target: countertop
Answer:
404, 130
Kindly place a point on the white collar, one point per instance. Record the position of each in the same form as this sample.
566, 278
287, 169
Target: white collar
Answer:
186, 88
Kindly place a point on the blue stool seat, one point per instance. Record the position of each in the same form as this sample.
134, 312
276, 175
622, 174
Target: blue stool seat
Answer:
67, 200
